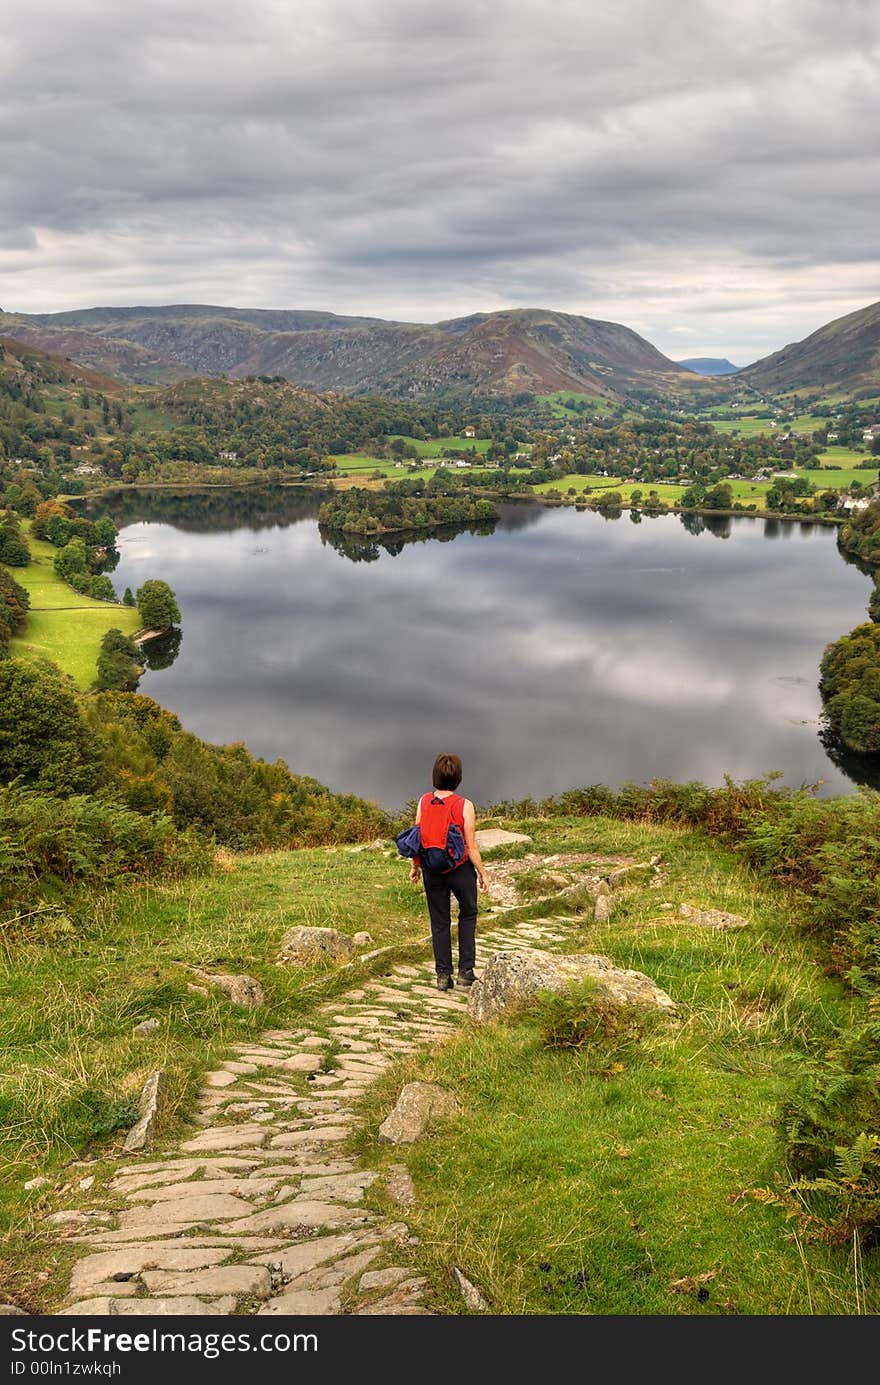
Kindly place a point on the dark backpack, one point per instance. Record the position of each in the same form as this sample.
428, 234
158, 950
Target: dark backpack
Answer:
436, 840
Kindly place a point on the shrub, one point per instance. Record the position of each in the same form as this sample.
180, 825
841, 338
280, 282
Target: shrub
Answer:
48, 843
44, 740
585, 1018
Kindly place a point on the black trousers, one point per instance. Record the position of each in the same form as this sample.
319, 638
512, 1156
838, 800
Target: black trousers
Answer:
439, 889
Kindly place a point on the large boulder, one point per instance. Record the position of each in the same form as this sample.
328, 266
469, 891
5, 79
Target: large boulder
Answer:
242, 990
512, 978
419, 1104
489, 837
314, 945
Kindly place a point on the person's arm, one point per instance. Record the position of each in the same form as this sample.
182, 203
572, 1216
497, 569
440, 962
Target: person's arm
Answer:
470, 842
416, 867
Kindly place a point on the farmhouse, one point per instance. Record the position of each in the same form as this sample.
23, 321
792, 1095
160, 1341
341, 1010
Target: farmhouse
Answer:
469, 432
228, 456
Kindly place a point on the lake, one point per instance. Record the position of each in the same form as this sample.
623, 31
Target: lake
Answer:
562, 649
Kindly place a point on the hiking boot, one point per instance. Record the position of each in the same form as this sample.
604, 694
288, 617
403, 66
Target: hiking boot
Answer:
466, 978
444, 981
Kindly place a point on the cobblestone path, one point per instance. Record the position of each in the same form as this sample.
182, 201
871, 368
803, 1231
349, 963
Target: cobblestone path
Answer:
257, 1210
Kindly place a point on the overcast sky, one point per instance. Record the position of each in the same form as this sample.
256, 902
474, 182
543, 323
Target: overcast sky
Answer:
706, 172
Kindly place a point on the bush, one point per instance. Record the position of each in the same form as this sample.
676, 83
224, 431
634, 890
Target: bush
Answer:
44, 740
586, 1019
47, 843
223, 790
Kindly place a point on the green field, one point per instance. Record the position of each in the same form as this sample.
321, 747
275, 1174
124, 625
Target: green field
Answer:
839, 480
358, 464
435, 447
62, 625
842, 457
749, 426
743, 491
560, 403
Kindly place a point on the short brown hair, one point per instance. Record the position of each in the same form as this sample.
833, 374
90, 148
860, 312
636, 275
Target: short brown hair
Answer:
447, 772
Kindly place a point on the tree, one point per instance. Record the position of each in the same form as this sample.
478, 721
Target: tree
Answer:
119, 666
157, 605
14, 551
43, 738
128, 597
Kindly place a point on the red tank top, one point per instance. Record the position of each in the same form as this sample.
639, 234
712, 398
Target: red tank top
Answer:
455, 803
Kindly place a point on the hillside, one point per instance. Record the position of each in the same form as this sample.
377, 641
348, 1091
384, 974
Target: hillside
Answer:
606, 1179
844, 356
710, 365
493, 353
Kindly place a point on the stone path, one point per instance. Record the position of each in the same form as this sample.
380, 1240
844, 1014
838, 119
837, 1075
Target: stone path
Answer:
257, 1211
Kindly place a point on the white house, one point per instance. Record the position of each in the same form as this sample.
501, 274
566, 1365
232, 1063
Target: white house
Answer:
469, 432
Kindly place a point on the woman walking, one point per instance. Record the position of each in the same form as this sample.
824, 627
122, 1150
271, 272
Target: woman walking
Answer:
438, 812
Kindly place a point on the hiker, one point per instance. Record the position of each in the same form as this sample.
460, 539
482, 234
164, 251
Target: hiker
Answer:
436, 814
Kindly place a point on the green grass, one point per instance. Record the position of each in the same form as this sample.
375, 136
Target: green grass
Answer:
742, 490
435, 447
561, 1191
559, 403
358, 464
842, 457
532, 1173
62, 625
839, 480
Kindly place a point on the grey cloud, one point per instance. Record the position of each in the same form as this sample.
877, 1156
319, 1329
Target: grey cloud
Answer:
700, 171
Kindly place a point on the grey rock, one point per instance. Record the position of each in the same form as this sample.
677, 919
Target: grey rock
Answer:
418, 1105
304, 1303
303, 1062
302, 1212
713, 918
93, 1270
185, 1306
362, 939
399, 1185
624, 873
146, 1027
242, 990
9, 1310
297, 1260
152, 1098
88, 1308
75, 1218
488, 837
182, 1211
34, 1183
225, 1138
383, 1279
473, 1299
584, 893
315, 944
86, 1184
603, 908
244, 1281
513, 978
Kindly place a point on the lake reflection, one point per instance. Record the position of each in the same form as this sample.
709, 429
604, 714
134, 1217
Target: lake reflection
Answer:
563, 649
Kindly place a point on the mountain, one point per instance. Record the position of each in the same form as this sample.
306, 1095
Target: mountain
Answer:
501, 353
710, 365
844, 355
